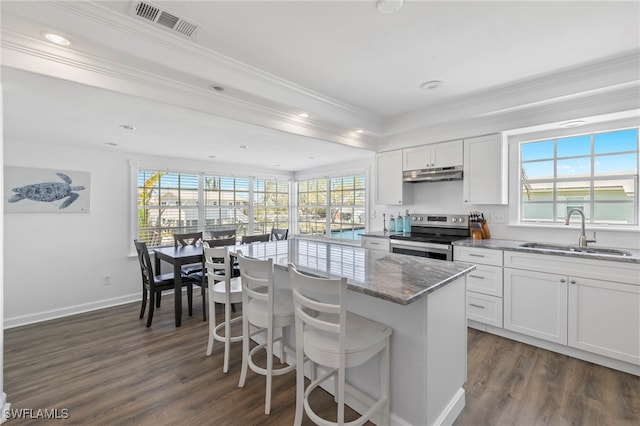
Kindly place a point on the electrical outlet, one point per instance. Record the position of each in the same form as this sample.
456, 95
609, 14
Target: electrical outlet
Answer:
498, 218
106, 280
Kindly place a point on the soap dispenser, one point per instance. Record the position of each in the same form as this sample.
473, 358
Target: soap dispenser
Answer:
406, 222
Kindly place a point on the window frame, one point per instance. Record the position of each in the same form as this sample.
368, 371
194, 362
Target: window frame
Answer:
329, 205
135, 167
516, 138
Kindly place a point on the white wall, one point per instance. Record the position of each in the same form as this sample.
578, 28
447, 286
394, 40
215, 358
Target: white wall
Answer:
446, 197
56, 262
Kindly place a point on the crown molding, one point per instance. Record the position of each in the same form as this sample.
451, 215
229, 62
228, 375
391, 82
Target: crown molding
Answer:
104, 26
611, 75
35, 55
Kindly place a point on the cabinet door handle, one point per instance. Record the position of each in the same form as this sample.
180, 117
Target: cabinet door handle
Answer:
476, 306
477, 276
563, 280
476, 255
572, 281
374, 244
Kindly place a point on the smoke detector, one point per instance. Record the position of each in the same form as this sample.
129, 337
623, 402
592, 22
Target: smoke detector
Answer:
163, 18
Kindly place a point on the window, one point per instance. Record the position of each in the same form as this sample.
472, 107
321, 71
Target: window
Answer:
167, 204
342, 197
173, 202
270, 205
596, 172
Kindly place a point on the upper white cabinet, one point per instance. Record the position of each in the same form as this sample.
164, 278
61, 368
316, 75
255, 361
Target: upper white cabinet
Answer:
390, 189
485, 170
443, 154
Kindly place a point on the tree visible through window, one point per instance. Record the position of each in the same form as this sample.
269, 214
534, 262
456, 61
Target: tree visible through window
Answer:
596, 172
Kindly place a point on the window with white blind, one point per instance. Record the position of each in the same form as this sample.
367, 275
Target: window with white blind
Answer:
270, 205
334, 207
596, 172
170, 203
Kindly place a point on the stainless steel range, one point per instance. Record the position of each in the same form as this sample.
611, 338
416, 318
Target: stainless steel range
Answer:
431, 236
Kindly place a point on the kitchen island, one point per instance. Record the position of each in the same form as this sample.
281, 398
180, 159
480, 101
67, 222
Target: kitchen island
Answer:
423, 300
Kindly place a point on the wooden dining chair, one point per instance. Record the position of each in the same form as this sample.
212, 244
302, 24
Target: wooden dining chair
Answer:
189, 239
223, 233
278, 234
221, 242
248, 239
153, 285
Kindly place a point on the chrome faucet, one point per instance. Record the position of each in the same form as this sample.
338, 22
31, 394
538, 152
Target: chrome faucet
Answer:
582, 242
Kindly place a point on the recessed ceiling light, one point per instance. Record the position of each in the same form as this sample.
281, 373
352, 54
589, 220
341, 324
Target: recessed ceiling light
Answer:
429, 85
359, 131
312, 158
576, 123
243, 146
277, 165
216, 88
57, 39
212, 156
303, 115
111, 143
127, 127
389, 6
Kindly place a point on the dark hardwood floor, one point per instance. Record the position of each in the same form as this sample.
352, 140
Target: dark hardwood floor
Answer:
105, 367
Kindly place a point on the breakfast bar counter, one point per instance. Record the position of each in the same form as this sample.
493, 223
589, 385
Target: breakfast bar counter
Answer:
423, 300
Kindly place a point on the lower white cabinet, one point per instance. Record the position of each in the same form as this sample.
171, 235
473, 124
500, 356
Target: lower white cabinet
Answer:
535, 304
604, 318
484, 284
375, 243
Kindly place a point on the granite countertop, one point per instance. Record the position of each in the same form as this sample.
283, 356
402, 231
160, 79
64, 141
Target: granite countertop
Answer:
394, 277
514, 245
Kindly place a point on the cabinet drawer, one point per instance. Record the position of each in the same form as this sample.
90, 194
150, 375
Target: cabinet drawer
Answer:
484, 309
375, 243
478, 255
485, 279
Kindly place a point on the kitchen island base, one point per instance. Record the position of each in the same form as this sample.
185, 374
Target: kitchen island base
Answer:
428, 354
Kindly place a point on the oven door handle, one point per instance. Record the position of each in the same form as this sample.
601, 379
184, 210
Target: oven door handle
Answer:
419, 245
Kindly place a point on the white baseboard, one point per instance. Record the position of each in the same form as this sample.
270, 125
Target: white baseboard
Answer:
70, 310
452, 410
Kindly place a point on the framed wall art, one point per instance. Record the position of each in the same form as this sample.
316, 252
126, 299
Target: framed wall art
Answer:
31, 190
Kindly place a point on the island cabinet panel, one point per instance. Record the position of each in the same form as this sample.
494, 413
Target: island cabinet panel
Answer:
604, 318
535, 304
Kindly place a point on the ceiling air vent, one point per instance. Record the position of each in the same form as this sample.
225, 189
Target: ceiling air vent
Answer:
165, 19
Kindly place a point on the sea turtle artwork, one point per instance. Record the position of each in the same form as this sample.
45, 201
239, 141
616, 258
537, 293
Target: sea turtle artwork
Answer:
48, 192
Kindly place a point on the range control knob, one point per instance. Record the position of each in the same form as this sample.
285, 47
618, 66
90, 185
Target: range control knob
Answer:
461, 219
454, 219
420, 218
415, 218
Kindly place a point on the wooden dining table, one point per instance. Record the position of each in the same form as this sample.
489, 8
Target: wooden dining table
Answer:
179, 256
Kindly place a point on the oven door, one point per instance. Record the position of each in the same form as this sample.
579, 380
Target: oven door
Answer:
415, 248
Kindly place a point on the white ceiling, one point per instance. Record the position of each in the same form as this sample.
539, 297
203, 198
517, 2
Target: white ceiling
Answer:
347, 65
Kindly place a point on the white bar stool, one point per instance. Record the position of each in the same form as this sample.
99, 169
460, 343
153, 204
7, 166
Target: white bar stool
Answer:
330, 336
264, 309
222, 289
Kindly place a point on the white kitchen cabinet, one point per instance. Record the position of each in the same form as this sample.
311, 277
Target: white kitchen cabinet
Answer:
604, 318
375, 243
390, 189
442, 154
484, 284
485, 170
535, 304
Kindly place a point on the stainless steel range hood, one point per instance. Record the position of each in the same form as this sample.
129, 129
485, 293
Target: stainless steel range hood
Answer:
433, 175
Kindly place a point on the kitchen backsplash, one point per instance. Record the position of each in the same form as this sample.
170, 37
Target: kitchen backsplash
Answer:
446, 197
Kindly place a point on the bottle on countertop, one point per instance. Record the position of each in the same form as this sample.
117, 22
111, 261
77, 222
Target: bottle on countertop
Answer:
399, 223
392, 224
406, 222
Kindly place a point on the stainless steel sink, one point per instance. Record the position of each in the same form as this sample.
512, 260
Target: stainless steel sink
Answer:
576, 249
